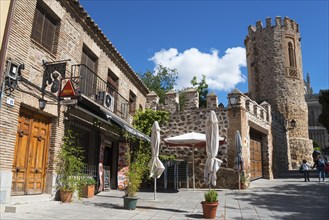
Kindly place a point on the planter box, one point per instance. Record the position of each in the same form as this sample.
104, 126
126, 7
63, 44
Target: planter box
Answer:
88, 191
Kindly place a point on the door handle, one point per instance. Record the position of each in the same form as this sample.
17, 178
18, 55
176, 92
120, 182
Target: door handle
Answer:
17, 169
36, 170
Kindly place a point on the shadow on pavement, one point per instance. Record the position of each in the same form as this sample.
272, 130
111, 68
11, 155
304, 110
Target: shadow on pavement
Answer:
309, 201
163, 209
194, 216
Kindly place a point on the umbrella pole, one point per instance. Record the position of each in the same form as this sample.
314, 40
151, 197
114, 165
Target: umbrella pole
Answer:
239, 180
193, 169
155, 187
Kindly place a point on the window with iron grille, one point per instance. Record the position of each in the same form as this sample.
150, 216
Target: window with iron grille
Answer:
45, 25
88, 77
132, 103
113, 82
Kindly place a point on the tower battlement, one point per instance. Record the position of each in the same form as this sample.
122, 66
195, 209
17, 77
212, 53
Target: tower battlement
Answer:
287, 24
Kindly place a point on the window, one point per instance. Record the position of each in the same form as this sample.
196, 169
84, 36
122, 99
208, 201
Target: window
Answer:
292, 55
45, 27
88, 77
112, 82
132, 103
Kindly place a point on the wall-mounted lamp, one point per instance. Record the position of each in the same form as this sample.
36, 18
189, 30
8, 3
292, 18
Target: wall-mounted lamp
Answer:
42, 104
292, 124
233, 100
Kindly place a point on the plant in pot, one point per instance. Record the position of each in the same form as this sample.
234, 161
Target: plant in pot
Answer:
209, 206
134, 174
87, 189
69, 164
243, 181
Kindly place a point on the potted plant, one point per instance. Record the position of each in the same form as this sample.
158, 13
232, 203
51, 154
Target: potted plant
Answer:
243, 181
134, 174
209, 206
87, 189
69, 164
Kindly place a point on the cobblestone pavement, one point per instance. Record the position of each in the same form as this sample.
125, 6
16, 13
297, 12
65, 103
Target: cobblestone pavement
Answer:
265, 199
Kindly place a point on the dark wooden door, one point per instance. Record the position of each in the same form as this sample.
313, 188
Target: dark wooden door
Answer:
255, 159
31, 154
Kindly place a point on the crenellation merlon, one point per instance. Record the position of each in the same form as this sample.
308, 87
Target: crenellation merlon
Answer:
259, 25
268, 22
278, 22
251, 29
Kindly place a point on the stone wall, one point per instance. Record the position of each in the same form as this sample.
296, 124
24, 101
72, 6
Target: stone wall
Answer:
248, 114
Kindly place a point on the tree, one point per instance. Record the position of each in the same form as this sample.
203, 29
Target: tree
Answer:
202, 88
161, 81
324, 101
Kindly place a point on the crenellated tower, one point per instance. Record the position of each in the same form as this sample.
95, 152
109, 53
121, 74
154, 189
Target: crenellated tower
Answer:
275, 75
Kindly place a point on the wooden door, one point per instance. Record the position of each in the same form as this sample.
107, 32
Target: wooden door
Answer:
31, 151
255, 159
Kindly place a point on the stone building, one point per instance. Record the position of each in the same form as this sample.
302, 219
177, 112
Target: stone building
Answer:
275, 75
316, 131
251, 119
54, 47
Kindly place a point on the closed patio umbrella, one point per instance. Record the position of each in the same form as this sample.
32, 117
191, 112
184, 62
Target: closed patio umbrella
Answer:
238, 162
212, 163
156, 166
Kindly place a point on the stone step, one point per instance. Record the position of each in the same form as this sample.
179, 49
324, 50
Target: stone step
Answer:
26, 202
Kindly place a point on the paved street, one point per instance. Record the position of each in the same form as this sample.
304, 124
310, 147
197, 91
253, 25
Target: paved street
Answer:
266, 199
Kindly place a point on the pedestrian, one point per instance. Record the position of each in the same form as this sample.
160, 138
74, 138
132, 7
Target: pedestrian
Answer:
305, 167
320, 166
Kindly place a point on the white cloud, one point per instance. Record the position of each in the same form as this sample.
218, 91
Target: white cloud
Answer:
222, 73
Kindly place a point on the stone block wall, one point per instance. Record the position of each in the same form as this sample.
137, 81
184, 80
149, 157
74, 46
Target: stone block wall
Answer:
191, 118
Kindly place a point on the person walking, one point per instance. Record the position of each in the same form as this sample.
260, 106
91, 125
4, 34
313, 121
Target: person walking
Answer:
305, 167
320, 166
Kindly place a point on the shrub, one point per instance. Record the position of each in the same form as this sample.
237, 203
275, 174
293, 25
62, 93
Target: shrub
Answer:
211, 196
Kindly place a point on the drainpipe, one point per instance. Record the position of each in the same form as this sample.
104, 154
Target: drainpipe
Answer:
5, 42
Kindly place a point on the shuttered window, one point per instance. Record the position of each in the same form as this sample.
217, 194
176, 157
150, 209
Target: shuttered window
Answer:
44, 29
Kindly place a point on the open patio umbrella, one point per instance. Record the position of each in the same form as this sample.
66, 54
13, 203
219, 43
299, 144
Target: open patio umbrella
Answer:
156, 166
238, 162
192, 139
212, 163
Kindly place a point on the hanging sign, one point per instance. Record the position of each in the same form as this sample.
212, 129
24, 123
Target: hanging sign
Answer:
68, 90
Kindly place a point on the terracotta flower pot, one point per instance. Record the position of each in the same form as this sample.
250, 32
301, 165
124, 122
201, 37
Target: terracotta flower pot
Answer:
88, 191
66, 196
209, 209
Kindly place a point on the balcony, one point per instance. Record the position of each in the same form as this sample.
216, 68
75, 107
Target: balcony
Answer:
95, 88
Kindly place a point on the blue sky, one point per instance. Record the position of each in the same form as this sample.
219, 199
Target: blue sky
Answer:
206, 37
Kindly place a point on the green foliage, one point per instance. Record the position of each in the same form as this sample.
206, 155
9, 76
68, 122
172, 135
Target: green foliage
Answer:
182, 99
324, 101
167, 158
316, 146
87, 181
143, 120
135, 173
243, 178
202, 88
160, 81
69, 163
211, 196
